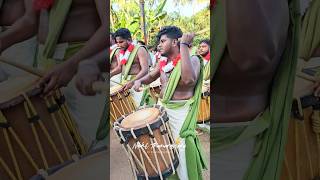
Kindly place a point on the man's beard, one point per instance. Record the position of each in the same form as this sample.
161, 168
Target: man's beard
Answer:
204, 54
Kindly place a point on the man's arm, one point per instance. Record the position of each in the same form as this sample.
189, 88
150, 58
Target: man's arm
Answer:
148, 78
116, 70
98, 40
24, 28
143, 56
190, 66
256, 31
100, 60
63, 73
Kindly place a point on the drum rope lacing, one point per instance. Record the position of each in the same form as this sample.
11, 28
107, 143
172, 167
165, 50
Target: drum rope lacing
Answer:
315, 125
127, 105
71, 126
14, 159
30, 110
33, 117
316, 129
142, 152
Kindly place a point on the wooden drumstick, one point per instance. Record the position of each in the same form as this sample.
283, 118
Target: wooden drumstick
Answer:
116, 82
26, 68
100, 86
306, 77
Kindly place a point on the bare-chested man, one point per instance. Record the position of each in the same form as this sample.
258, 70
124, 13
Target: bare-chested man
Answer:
139, 67
183, 94
256, 37
114, 60
175, 51
12, 13
82, 35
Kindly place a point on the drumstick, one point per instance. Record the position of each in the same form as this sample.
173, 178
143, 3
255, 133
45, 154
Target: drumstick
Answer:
306, 77
26, 68
100, 86
116, 82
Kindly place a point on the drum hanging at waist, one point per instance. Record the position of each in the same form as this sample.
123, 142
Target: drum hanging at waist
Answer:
146, 137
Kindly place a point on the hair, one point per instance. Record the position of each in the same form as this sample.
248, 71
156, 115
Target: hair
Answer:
206, 41
123, 32
112, 35
172, 32
141, 42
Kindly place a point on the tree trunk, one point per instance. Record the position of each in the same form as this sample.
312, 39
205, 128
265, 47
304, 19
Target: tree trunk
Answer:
143, 21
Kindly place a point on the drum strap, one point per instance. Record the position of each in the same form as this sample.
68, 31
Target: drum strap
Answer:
57, 17
113, 53
128, 65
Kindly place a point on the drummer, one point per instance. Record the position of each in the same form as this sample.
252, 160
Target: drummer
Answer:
74, 43
204, 52
114, 59
134, 53
177, 94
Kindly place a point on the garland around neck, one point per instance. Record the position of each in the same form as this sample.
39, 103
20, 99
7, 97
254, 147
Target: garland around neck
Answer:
124, 55
206, 59
167, 67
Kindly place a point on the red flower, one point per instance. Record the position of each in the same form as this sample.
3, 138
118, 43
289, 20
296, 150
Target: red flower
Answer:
42, 4
207, 57
123, 61
122, 51
176, 60
212, 4
130, 48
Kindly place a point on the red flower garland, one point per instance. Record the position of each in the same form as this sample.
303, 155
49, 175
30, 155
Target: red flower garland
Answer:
167, 67
124, 55
207, 57
42, 4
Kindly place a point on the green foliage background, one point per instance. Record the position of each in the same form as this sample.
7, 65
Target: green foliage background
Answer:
126, 13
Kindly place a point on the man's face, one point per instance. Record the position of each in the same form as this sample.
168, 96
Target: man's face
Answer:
165, 45
122, 43
203, 49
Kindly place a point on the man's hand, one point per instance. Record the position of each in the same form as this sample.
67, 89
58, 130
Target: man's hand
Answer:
187, 38
57, 77
128, 85
88, 72
137, 86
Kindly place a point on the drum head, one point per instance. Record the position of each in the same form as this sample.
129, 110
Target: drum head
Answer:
115, 88
13, 87
140, 118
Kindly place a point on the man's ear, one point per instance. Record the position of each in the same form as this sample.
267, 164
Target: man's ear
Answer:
175, 42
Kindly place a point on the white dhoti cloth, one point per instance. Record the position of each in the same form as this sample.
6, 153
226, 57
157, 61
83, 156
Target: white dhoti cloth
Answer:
86, 110
22, 53
137, 96
176, 120
115, 79
232, 163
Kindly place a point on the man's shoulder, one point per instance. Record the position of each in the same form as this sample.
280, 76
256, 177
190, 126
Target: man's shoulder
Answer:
142, 50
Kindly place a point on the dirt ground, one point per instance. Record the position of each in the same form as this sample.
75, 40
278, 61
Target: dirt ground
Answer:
119, 163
